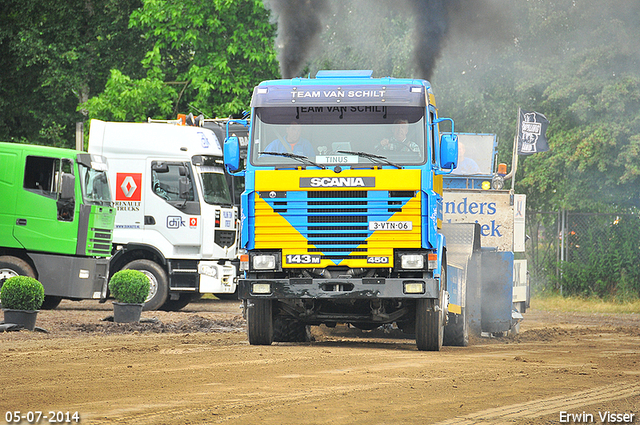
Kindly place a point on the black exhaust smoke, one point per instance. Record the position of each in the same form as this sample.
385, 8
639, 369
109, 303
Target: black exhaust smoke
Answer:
431, 27
299, 27
300, 23
435, 20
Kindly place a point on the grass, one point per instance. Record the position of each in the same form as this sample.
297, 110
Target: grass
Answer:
584, 304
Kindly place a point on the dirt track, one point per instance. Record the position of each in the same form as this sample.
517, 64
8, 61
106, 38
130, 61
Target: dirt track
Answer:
196, 367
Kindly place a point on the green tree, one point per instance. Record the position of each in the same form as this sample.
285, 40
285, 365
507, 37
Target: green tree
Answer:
588, 85
209, 56
578, 64
55, 55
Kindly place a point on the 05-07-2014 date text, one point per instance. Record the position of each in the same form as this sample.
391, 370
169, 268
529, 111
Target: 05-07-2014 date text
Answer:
35, 417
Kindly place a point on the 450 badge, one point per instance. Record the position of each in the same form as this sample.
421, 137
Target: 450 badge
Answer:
377, 260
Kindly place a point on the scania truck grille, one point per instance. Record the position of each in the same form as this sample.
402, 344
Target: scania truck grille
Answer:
334, 224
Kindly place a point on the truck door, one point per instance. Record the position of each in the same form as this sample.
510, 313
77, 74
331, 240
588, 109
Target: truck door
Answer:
45, 221
172, 206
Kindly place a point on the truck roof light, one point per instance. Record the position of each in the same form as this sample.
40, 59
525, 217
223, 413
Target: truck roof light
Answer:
502, 169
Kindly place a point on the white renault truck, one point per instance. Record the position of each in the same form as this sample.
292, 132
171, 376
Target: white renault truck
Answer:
175, 218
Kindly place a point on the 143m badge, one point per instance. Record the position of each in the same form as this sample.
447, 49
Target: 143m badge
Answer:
302, 259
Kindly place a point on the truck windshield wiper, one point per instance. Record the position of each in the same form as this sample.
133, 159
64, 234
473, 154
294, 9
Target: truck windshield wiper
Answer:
372, 157
301, 158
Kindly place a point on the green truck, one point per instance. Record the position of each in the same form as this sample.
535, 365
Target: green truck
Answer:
56, 220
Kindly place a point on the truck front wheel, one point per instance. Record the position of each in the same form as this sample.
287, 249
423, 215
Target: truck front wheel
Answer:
260, 322
159, 288
429, 325
14, 266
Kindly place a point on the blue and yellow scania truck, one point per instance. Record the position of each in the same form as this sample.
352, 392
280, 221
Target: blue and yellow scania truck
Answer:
342, 210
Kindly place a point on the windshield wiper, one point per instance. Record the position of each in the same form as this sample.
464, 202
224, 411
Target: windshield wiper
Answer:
301, 158
379, 159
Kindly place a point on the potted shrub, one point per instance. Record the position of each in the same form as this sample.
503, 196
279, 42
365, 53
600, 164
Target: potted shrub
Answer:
130, 289
21, 298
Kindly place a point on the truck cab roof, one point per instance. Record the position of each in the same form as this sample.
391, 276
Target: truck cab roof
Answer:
342, 87
158, 139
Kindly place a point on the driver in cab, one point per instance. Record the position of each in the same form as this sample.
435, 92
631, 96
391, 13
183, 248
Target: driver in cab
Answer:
291, 142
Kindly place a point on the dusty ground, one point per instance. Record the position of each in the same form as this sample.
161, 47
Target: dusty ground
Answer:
196, 367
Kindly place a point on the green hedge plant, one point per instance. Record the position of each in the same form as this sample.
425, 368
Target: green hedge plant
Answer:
22, 293
129, 286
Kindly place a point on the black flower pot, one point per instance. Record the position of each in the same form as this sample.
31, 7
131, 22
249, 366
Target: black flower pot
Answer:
126, 312
26, 318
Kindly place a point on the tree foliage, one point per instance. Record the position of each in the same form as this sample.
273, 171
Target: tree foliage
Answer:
578, 64
126, 99
56, 55
209, 55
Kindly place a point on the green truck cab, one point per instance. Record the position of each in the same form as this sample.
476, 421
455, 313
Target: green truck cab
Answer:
56, 220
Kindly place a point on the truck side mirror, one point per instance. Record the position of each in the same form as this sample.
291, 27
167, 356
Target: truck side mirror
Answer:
449, 151
68, 188
183, 187
232, 154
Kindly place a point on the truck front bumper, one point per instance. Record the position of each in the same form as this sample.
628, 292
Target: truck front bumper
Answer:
371, 288
217, 278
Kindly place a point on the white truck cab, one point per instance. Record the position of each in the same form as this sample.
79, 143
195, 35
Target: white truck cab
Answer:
175, 217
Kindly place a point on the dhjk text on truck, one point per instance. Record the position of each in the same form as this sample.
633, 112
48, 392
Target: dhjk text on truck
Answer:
175, 220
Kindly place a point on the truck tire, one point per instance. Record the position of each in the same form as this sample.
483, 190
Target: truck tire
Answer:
286, 329
456, 332
260, 322
181, 302
50, 302
429, 329
14, 266
159, 288
430, 318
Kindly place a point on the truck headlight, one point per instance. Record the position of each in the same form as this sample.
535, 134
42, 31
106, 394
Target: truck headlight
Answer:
414, 288
264, 262
261, 288
208, 270
412, 261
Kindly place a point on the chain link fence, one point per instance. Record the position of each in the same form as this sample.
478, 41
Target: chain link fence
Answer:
587, 253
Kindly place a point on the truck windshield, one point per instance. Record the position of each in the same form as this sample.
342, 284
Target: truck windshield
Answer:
214, 185
320, 133
95, 186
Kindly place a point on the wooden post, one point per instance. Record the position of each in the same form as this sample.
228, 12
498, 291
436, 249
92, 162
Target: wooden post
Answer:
79, 136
